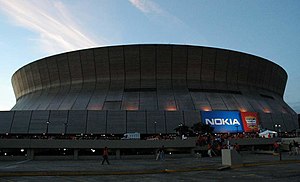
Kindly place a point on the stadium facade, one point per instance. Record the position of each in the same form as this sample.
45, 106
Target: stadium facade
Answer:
147, 89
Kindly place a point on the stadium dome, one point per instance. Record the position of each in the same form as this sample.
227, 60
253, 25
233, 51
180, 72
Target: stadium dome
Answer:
146, 89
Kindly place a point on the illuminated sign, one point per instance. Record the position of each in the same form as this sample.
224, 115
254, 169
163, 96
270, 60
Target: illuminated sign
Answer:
250, 121
223, 121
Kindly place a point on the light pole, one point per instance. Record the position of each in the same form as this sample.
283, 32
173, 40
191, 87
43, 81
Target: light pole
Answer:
237, 128
277, 128
155, 127
48, 122
66, 125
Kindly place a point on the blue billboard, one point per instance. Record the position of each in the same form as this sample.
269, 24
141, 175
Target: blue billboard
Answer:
223, 121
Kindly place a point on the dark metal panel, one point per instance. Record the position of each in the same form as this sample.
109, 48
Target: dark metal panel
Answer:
156, 122
77, 122
38, 122
165, 97
252, 72
59, 98
148, 101
116, 122
44, 74
102, 64
148, 66
267, 78
289, 122
71, 97
59, 122
216, 101
208, 64
36, 74
116, 60
179, 62
183, 99
136, 122
23, 79
200, 101
266, 121
29, 74
88, 65
116, 91
53, 71
229, 101
84, 96
46, 101
130, 101
15, 84
20, 83
220, 77
43, 100
97, 100
173, 120
194, 66
232, 70
75, 67
163, 64
34, 100
21, 122
191, 118
112, 105
278, 120
6, 118
254, 103
96, 122
132, 67
243, 70
63, 68
243, 103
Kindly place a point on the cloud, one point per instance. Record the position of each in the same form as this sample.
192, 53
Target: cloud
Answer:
149, 7
146, 6
51, 20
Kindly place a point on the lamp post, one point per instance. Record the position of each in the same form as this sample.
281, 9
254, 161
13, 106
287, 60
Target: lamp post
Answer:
47, 122
155, 127
237, 128
66, 125
277, 128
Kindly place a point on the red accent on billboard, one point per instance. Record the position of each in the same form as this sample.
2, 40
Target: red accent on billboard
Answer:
250, 121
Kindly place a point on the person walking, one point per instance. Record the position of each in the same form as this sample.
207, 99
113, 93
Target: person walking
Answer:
162, 153
105, 155
209, 150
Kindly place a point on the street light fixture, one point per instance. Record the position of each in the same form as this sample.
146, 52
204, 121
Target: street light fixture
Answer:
47, 122
277, 128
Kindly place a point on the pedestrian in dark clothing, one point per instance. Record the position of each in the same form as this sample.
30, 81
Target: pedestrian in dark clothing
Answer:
105, 155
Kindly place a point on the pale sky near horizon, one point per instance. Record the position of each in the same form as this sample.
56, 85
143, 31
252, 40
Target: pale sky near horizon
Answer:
33, 29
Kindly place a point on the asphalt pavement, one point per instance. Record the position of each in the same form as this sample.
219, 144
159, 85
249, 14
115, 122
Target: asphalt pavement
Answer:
256, 167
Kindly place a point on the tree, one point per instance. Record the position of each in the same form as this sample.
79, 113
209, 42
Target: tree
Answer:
182, 130
202, 128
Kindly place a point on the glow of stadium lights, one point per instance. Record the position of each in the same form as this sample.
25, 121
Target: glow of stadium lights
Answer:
206, 108
243, 110
22, 150
65, 149
93, 150
170, 153
5, 153
171, 108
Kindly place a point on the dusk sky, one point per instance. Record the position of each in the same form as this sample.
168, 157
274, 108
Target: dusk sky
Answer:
33, 29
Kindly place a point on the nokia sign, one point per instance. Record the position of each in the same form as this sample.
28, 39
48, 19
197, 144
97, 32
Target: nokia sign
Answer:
223, 121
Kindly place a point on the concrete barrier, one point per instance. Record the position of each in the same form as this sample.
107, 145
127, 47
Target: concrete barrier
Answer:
231, 157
